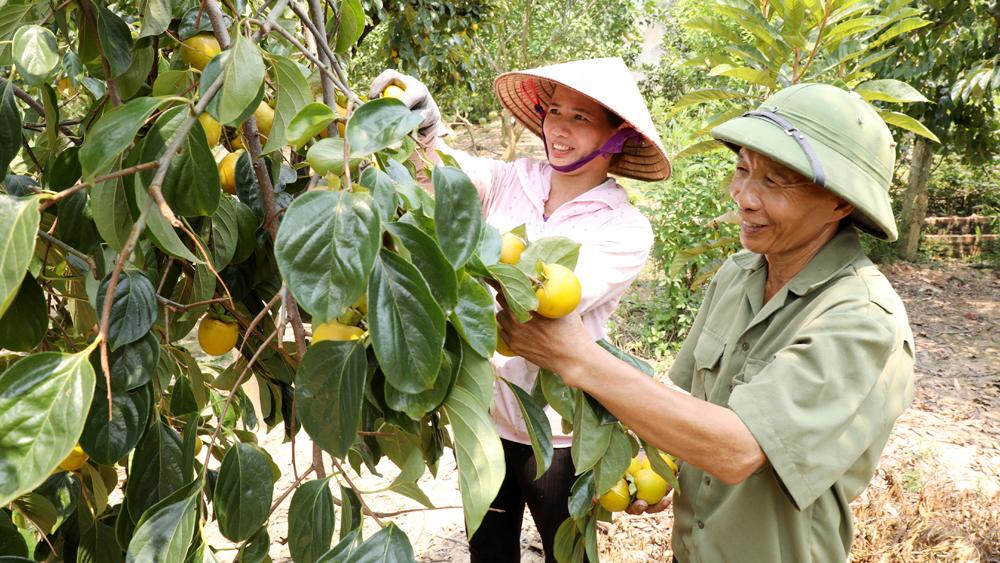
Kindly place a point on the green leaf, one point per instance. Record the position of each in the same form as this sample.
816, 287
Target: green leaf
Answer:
416, 405
660, 466
98, 545
76, 225
133, 309
564, 544
116, 40
587, 423
383, 190
581, 496
165, 535
388, 545
107, 441
20, 219
243, 491
908, 123
10, 127
631, 360
351, 25
156, 17
614, 462
225, 231
329, 393
255, 549
112, 134
39, 510
343, 550
550, 250
195, 20
158, 229
326, 248
172, 82
406, 324
517, 290
112, 216
191, 185
248, 224
24, 324
350, 512
243, 77
481, 465
43, 403
430, 260
12, 17
308, 123
458, 218
412, 491
156, 471
539, 430
748, 74
292, 94
310, 521
326, 156
378, 124
889, 90
474, 318
36, 53
476, 377
907, 25
700, 148
561, 397
132, 365
706, 95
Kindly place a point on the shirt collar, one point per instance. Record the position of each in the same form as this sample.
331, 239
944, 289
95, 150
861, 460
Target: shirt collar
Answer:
835, 255
607, 192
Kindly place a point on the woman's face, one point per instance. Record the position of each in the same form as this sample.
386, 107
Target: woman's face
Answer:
574, 127
782, 213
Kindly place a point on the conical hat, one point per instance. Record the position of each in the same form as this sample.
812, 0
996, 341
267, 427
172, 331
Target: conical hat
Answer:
606, 81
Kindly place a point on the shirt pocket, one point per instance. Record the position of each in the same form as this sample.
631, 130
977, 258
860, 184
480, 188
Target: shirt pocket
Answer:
707, 359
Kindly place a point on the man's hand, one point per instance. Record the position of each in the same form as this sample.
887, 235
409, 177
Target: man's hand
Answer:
641, 506
416, 97
554, 344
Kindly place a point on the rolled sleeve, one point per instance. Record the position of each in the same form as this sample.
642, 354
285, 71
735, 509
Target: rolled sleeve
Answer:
821, 402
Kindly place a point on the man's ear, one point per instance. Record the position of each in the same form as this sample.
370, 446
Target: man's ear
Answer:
843, 208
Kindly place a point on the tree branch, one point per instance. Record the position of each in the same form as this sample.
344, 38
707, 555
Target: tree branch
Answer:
84, 185
39, 109
82, 256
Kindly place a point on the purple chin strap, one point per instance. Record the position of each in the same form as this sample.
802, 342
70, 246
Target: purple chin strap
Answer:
614, 145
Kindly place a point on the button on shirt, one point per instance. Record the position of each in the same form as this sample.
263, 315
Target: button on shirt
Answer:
615, 241
818, 374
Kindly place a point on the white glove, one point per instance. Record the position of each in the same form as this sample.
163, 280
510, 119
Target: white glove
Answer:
416, 97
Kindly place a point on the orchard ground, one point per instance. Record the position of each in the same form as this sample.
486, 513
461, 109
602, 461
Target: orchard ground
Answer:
935, 496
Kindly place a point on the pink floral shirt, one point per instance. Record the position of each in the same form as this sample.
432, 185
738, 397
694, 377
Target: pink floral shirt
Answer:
615, 240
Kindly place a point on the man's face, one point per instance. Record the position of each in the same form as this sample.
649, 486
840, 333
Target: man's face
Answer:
781, 211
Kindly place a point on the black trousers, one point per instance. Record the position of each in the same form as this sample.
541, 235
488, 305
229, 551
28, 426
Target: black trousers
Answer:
498, 539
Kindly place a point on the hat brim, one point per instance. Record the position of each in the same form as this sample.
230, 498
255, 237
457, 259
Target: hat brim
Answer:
640, 159
872, 207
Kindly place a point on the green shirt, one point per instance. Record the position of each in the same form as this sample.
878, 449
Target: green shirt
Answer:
818, 374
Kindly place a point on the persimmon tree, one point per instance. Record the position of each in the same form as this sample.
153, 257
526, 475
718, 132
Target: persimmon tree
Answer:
121, 237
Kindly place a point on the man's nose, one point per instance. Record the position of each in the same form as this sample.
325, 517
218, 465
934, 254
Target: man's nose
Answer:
744, 193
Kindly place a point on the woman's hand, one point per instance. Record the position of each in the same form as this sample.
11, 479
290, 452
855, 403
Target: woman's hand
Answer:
416, 97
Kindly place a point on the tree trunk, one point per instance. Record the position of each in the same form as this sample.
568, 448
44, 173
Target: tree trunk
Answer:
915, 198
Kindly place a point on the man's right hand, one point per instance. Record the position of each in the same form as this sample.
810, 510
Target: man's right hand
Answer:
416, 97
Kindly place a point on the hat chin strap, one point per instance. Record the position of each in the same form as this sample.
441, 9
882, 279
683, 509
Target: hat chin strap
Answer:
819, 175
614, 145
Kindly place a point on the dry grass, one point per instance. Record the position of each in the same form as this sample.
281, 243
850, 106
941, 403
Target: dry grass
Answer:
938, 522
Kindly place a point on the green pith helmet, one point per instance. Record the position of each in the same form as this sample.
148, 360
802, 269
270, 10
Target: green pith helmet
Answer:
830, 136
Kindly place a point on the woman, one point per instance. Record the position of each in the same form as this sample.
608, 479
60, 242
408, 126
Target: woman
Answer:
800, 358
593, 122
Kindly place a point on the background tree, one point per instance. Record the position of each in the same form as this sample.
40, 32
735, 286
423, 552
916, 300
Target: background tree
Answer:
956, 61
